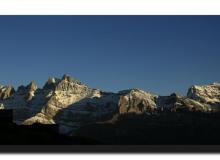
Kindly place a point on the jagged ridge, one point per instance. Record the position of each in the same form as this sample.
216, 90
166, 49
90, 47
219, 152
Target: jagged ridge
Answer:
72, 104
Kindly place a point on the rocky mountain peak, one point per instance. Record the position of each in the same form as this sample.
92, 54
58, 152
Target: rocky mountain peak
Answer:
31, 88
28, 91
21, 90
209, 94
6, 92
51, 83
51, 80
136, 101
67, 77
71, 85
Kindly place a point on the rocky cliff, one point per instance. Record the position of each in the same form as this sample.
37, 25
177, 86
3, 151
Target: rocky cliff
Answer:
6, 92
72, 104
207, 94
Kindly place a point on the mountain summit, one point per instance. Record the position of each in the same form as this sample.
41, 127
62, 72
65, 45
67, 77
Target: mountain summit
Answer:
72, 104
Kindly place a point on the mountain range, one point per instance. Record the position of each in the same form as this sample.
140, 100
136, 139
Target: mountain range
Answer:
71, 104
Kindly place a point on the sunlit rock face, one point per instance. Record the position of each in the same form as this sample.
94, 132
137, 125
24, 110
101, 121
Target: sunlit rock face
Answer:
6, 92
73, 103
136, 101
31, 88
207, 94
28, 92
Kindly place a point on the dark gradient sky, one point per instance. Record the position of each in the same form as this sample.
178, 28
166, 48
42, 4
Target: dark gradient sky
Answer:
161, 54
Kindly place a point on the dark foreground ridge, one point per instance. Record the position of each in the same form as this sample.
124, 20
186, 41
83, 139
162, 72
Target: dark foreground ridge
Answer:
161, 129
36, 134
131, 129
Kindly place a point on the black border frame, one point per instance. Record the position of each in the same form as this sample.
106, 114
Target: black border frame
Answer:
128, 149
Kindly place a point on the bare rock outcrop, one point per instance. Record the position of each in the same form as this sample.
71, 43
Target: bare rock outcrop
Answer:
177, 103
28, 91
136, 101
67, 93
31, 88
6, 92
207, 94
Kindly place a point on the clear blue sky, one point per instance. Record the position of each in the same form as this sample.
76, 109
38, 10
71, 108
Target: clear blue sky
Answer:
161, 54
